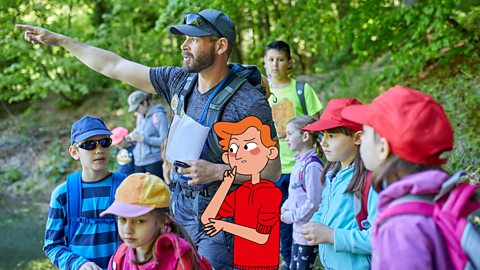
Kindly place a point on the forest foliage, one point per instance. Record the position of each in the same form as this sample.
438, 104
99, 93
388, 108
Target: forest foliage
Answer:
355, 48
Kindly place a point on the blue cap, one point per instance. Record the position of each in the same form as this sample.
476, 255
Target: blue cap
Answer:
223, 26
86, 127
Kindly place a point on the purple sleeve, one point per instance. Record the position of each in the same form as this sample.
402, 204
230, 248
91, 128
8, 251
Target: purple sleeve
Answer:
407, 242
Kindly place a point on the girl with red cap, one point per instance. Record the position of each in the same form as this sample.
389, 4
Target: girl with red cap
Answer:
343, 244
151, 239
304, 191
406, 133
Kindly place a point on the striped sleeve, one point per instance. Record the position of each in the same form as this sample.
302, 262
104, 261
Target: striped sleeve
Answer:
54, 245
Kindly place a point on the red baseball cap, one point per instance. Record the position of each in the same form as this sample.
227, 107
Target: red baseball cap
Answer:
332, 116
414, 124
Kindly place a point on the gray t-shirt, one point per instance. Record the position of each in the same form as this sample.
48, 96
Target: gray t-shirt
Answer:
168, 81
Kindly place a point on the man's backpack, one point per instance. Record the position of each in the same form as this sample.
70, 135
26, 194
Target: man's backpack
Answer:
238, 75
456, 213
74, 203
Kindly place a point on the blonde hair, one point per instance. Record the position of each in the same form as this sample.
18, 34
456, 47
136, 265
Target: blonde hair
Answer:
302, 121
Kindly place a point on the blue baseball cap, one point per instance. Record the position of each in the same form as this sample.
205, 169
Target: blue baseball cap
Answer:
86, 127
208, 22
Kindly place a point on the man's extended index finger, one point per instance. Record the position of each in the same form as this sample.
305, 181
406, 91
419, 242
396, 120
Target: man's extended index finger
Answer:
24, 27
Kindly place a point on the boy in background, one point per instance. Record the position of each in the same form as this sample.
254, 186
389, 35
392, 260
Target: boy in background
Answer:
76, 237
289, 98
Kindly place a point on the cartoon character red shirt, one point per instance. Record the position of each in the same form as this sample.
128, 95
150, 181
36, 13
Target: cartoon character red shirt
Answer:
255, 206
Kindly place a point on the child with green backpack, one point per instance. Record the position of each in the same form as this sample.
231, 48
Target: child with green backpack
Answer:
76, 237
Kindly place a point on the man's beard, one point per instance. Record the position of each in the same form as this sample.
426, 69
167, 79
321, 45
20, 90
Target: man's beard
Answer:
200, 62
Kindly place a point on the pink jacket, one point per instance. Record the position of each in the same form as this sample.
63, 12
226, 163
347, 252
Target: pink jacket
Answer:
171, 251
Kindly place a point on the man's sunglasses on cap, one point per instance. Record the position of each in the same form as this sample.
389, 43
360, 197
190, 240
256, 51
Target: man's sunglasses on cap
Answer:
93, 144
198, 20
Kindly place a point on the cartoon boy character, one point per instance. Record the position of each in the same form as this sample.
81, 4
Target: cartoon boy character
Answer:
255, 205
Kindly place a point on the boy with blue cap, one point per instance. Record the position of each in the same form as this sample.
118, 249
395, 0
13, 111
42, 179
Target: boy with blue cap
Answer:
76, 237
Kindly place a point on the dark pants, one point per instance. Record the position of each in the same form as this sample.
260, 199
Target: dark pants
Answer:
154, 168
218, 249
303, 257
286, 230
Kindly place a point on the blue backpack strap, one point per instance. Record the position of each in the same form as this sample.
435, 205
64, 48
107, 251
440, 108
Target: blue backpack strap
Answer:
74, 204
300, 87
117, 179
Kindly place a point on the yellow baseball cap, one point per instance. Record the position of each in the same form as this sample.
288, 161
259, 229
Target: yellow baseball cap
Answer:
139, 194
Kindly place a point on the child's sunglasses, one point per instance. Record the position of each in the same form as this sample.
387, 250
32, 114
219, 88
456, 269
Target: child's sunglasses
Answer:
93, 144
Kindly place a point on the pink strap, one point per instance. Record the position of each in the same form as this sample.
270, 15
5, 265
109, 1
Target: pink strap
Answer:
420, 208
459, 199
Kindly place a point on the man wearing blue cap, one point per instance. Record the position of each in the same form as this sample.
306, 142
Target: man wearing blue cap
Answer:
76, 236
209, 38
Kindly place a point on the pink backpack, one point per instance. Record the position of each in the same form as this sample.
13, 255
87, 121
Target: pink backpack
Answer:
170, 248
456, 212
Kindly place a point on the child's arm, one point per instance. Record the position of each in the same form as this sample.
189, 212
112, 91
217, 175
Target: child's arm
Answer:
344, 240
212, 209
313, 189
268, 215
354, 240
251, 234
54, 245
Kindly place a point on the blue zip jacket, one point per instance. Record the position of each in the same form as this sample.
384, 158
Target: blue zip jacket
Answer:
154, 128
352, 247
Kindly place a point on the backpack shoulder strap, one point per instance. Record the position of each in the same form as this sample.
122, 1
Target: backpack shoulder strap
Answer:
178, 103
216, 108
117, 179
300, 87
450, 184
366, 190
409, 204
307, 161
118, 257
362, 215
74, 203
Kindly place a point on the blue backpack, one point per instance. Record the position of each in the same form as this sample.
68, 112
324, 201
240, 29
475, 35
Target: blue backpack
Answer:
74, 203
